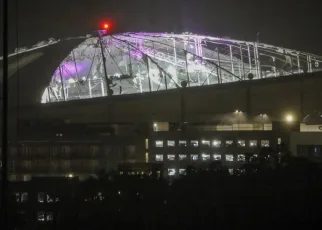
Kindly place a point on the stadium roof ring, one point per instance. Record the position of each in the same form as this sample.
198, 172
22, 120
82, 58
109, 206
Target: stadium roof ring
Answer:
147, 62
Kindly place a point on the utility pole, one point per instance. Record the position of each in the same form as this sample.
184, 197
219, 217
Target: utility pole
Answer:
4, 171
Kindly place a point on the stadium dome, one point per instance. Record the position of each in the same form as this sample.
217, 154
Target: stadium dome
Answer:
132, 63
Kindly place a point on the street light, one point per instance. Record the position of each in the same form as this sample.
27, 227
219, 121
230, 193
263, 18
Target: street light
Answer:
289, 118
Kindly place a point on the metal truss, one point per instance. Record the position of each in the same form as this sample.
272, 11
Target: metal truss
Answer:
147, 62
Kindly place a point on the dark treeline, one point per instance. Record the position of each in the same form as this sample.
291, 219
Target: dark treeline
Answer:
287, 197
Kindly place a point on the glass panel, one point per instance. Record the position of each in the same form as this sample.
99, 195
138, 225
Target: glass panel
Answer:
241, 143
159, 144
253, 143
159, 157
229, 157
171, 143
216, 143
194, 143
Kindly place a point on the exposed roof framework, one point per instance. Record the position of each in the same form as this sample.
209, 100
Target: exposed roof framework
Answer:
147, 62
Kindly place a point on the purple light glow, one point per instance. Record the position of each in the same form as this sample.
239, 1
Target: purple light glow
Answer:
68, 69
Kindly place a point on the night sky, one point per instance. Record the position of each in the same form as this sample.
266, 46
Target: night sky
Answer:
292, 24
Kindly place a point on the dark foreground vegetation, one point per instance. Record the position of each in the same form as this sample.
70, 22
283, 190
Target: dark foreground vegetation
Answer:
257, 197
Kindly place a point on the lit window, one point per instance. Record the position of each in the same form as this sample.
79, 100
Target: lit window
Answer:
182, 157
216, 143
171, 143
171, 157
194, 157
279, 141
159, 157
241, 157
205, 157
41, 216
217, 157
194, 143
171, 172
229, 143
253, 157
18, 197
49, 216
205, 143
146, 157
182, 143
41, 197
241, 143
159, 144
231, 171
49, 199
229, 157
182, 171
253, 143
24, 197
146, 143
265, 143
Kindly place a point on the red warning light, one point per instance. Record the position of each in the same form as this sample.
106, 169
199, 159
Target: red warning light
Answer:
105, 26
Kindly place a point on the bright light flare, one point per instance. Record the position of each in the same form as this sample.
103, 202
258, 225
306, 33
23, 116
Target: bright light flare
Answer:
289, 118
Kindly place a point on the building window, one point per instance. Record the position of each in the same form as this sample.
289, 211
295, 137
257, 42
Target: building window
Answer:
94, 164
93, 150
279, 141
205, 143
194, 143
182, 157
159, 144
217, 157
25, 151
182, 171
241, 157
171, 172
182, 143
24, 197
41, 216
66, 164
21, 197
216, 143
229, 157
66, 150
241, 143
253, 143
50, 216
146, 143
231, 171
146, 157
171, 143
41, 197
264, 143
13, 151
26, 177
171, 157
229, 143
159, 157
26, 164
194, 157
54, 151
205, 157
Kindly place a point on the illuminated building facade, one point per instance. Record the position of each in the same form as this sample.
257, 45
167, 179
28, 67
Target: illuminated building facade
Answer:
192, 98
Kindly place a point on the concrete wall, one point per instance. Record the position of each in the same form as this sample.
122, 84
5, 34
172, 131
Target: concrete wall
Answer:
298, 95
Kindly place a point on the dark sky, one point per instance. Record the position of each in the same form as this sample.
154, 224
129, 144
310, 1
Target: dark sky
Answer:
292, 24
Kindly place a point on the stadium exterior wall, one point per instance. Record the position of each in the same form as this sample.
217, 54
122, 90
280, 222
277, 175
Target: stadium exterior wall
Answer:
298, 95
